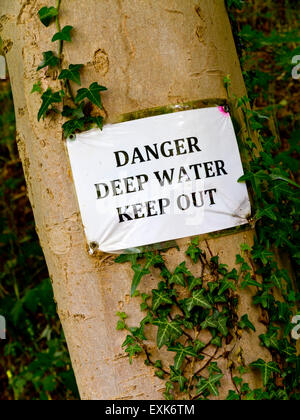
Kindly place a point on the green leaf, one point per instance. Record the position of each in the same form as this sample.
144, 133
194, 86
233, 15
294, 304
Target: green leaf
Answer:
50, 60
132, 350
73, 73
122, 315
194, 282
217, 341
92, 93
98, 121
123, 258
63, 35
47, 14
193, 251
217, 321
181, 353
250, 282
139, 271
246, 324
176, 376
270, 340
198, 346
197, 299
225, 285
160, 297
72, 126
179, 274
37, 87
233, 396
167, 331
48, 99
129, 340
73, 112
267, 369
210, 384
120, 325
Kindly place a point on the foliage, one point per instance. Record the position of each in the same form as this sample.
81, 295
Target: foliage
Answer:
271, 177
82, 114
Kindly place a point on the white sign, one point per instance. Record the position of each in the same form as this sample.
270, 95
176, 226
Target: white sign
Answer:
159, 178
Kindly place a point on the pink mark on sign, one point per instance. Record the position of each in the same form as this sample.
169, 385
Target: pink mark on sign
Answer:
222, 110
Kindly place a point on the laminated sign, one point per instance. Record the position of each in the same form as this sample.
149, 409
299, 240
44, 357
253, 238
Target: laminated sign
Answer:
159, 178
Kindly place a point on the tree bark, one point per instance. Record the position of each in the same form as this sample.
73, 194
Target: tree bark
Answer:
148, 53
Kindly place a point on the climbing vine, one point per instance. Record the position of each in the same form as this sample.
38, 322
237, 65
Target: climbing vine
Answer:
82, 110
211, 306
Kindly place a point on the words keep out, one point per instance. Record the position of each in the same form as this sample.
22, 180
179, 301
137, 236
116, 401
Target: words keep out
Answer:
162, 206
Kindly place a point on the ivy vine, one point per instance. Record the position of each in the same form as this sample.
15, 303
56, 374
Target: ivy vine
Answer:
212, 306
79, 109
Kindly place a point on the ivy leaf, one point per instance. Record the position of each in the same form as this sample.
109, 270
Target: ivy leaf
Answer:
210, 384
73, 112
193, 251
245, 323
225, 285
197, 299
48, 99
73, 73
217, 341
160, 297
176, 376
73, 125
262, 254
267, 369
50, 60
151, 260
268, 211
92, 93
120, 325
47, 14
63, 35
179, 273
218, 322
198, 346
233, 396
181, 353
129, 340
167, 331
250, 282
276, 280
139, 273
270, 340
97, 120
121, 259
194, 282
132, 350
37, 87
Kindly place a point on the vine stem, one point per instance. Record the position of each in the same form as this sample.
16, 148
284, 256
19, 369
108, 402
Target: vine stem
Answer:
60, 49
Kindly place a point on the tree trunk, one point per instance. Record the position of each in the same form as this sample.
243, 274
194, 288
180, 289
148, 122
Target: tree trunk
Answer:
148, 53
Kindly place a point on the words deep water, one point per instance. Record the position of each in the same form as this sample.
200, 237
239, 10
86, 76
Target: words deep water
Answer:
171, 176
